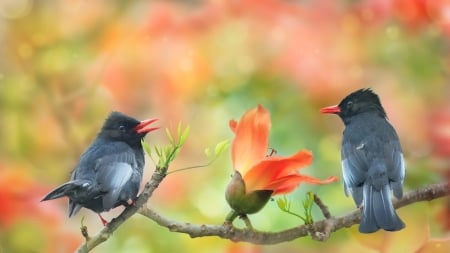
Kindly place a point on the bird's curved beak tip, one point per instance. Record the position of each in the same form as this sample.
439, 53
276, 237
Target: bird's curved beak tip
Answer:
142, 127
331, 109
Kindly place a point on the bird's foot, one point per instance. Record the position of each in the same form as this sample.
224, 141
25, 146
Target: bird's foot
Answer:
131, 202
104, 222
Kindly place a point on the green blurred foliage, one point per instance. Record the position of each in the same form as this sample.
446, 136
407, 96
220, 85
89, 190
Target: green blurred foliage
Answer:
66, 64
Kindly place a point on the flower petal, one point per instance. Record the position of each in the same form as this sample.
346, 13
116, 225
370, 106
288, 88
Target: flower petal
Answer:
289, 183
233, 125
271, 169
252, 138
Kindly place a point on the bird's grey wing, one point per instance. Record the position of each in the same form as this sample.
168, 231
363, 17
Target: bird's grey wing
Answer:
396, 166
354, 169
112, 174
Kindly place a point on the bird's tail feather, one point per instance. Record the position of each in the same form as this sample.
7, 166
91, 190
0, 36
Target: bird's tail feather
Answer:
62, 190
378, 211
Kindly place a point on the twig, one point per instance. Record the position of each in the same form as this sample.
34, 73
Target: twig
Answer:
322, 206
84, 230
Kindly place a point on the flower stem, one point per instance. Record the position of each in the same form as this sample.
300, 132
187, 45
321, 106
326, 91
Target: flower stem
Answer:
247, 222
231, 216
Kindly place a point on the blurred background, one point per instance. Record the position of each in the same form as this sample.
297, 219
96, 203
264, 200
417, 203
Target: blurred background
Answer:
65, 64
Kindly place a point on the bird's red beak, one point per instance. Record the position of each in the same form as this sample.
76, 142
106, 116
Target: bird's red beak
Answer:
331, 109
141, 127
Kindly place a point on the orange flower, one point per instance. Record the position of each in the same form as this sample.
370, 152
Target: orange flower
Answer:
257, 176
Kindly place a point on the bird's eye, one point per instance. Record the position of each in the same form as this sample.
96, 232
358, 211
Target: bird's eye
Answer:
122, 128
350, 103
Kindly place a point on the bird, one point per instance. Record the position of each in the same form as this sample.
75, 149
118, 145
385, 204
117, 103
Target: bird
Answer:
372, 160
110, 170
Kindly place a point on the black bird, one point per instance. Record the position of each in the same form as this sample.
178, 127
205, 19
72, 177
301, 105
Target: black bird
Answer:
372, 160
109, 172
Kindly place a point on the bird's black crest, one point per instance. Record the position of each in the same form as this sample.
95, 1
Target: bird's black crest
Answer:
116, 116
117, 119
119, 126
366, 94
367, 100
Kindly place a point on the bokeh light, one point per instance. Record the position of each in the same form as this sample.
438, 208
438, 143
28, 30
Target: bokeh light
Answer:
65, 64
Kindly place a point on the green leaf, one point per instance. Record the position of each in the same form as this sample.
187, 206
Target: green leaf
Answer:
175, 149
307, 206
166, 154
158, 152
282, 203
146, 147
184, 135
169, 135
167, 151
179, 129
175, 153
220, 147
285, 205
208, 152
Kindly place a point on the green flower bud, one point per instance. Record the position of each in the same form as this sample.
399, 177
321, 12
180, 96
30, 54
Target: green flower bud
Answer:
241, 201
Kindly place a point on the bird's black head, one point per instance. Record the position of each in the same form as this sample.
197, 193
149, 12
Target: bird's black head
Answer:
360, 101
121, 127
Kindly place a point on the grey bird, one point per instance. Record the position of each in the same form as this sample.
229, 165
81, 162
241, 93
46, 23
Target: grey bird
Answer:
109, 172
372, 160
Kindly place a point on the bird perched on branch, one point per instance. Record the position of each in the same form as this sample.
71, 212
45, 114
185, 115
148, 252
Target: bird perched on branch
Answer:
372, 160
109, 172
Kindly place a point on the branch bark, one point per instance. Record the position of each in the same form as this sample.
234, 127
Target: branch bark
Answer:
115, 223
319, 230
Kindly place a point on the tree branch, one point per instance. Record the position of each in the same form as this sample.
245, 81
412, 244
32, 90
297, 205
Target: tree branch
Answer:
115, 223
319, 230
326, 213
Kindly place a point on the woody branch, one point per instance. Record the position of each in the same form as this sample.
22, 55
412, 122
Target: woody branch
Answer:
319, 230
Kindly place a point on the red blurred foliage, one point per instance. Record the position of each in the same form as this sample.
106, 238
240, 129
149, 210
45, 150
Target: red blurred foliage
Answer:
413, 13
264, 10
374, 12
165, 18
439, 136
300, 51
439, 12
20, 197
439, 130
421, 13
435, 246
243, 248
167, 41
170, 40
443, 217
